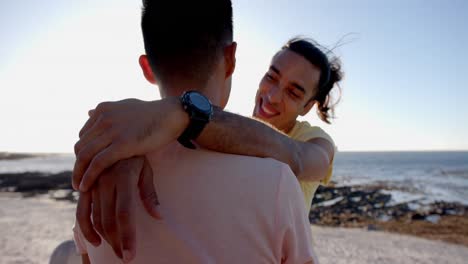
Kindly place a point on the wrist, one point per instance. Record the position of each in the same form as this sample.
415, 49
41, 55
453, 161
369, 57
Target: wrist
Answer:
200, 112
178, 115
169, 111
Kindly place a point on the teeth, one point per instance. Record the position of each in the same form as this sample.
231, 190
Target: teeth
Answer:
267, 111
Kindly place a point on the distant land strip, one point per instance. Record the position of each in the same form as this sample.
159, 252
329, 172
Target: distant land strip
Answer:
15, 156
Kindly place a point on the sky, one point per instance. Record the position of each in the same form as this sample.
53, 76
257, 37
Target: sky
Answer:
405, 65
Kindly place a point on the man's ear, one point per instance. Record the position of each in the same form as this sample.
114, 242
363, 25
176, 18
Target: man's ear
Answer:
307, 107
230, 58
146, 68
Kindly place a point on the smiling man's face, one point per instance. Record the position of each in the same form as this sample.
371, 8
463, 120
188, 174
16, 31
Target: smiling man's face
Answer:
286, 89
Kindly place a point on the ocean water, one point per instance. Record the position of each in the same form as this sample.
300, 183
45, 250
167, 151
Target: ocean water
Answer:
52, 163
423, 176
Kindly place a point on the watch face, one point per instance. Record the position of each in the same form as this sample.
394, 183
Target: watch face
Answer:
200, 102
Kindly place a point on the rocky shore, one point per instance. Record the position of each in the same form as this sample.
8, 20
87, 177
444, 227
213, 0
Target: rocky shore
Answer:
32, 183
347, 206
372, 208
367, 207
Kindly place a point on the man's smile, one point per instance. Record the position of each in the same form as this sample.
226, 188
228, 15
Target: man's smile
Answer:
266, 110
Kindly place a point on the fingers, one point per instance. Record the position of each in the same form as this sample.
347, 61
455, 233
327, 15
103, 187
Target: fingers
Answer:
83, 217
99, 163
97, 221
151, 203
148, 193
93, 116
108, 220
95, 131
84, 157
91, 120
125, 215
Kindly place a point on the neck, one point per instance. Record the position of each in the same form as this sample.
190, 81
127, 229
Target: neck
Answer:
289, 127
210, 89
177, 88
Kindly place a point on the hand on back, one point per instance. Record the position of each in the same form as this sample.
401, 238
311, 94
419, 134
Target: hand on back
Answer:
110, 168
111, 205
120, 130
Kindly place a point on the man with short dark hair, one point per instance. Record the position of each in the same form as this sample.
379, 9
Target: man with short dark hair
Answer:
217, 208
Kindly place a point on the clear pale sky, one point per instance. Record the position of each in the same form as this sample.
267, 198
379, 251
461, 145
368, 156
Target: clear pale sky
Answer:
406, 65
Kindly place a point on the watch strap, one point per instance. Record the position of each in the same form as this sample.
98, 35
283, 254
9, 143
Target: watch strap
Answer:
196, 127
198, 119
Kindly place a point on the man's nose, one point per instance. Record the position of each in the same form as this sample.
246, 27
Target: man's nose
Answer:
274, 95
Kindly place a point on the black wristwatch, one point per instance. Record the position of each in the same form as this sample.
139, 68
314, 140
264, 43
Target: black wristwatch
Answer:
200, 110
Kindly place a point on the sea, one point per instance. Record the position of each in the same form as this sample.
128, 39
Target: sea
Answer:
408, 176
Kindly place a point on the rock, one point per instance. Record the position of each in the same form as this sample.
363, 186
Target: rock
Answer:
381, 198
362, 208
62, 195
450, 212
379, 205
418, 217
373, 228
384, 218
327, 196
433, 218
35, 182
330, 202
357, 205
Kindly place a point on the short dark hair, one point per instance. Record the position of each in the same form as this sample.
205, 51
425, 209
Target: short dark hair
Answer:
330, 73
185, 38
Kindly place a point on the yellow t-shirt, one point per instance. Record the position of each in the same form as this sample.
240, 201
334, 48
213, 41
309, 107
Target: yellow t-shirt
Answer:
303, 131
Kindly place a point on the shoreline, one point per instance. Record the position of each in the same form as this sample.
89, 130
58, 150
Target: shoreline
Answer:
372, 208
365, 207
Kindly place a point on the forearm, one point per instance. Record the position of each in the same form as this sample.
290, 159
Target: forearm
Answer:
315, 156
235, 134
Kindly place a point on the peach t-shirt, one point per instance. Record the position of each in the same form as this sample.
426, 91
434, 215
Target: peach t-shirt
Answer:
218, 208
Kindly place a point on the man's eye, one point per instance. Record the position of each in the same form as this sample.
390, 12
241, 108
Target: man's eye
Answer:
269, 77
293, 95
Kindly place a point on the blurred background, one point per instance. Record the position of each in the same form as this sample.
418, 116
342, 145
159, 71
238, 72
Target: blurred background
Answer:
401, 126
404, 62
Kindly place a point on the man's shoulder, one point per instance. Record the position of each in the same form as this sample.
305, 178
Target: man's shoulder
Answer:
177, 153
177, 157
267, 171
261, 166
